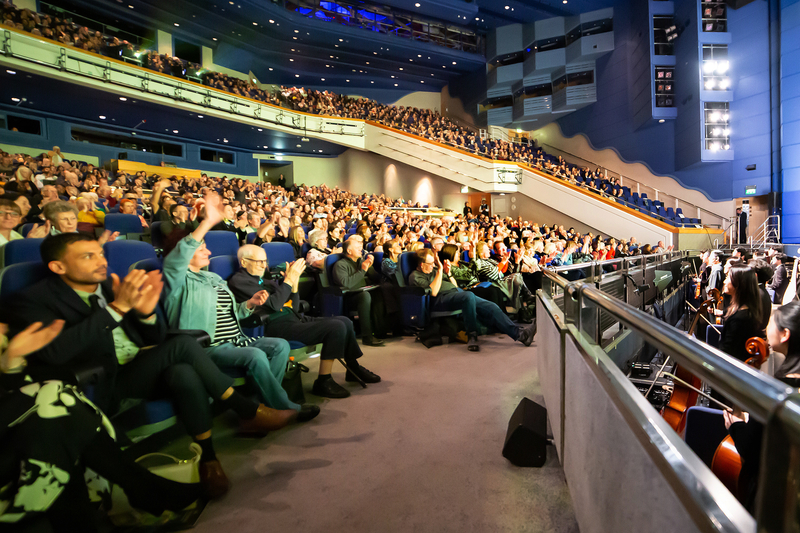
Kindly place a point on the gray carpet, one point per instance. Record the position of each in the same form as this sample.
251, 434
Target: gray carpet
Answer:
418, 452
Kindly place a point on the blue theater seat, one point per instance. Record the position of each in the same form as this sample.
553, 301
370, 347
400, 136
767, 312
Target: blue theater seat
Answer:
21, 251
122, 254
124, 224
278, 253
222, 243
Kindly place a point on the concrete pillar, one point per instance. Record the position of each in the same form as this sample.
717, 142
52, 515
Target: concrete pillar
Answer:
27, 4
207, 57
164, 43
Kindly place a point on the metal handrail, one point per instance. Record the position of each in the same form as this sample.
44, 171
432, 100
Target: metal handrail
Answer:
550, 149
766, 399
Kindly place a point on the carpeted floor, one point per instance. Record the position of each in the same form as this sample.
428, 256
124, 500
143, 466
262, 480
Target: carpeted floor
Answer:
418, 452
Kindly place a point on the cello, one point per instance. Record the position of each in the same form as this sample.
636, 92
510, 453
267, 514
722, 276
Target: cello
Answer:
686, 384
727, 464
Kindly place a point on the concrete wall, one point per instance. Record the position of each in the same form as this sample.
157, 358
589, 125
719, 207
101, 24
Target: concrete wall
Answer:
365, 172
422, 100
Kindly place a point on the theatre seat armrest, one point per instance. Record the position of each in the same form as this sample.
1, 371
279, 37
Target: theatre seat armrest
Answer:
360, 289
415, 291
259, 317
89, 374
202, 337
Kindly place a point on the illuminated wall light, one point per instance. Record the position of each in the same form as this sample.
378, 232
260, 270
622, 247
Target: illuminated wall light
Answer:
714, 117
715, 132
724, 83
709, 67
710, 84
722, 67
122, 98
174, 131
725, 117
726, 132
727, 147
199, 116
714, 147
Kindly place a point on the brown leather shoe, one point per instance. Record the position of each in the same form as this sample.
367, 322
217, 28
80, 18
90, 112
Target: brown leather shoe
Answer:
267, 419
213, 479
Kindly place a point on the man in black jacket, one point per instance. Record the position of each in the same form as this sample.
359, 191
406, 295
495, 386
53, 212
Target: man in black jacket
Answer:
113, 323
352, 272
780, 280
335, 333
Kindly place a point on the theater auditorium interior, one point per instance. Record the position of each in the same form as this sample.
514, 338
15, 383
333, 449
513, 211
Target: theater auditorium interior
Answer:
408, 265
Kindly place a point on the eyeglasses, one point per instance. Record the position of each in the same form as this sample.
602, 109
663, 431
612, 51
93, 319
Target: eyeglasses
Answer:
10, 214
257, 261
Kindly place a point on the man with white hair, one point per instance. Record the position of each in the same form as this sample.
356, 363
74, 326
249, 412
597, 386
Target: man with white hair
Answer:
336, 334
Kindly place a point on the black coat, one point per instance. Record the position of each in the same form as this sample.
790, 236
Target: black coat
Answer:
87, 338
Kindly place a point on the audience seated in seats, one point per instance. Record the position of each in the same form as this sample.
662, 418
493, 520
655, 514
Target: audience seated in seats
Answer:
466, 277
129, 207
501, 273
336, 333
197, 299
115, 324
181, 223
46, 455
87, 214
315, 258
446, 296
352, 272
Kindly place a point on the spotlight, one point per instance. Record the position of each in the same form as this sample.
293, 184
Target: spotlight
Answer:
724, 83
710, 84
722, 67
709, 67
714, 116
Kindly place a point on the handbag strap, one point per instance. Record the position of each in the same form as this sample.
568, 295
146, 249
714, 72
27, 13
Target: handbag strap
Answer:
194, 447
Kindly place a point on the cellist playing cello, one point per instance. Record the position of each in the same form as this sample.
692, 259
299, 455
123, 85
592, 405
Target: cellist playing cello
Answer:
783, 335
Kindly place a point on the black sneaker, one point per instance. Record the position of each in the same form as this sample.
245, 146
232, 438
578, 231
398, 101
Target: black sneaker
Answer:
472, 343
527, 334
308, 411
328, 388
365, 375
372, 341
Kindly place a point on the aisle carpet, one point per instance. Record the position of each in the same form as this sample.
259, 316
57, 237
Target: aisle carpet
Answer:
418, 452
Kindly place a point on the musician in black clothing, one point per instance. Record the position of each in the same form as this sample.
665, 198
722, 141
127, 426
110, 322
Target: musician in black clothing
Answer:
743, 318
747, 434
763, 275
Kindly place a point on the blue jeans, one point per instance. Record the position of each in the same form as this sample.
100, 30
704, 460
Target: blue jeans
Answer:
265, 362
476, 309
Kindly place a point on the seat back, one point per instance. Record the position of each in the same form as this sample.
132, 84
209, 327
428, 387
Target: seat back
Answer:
222, 243
407, 264
148, 265
327, 278
251, 238
156, 237
122, 254
21, 251
16, 278
26, 228
124, 224
378, 264
224, 265
278, 253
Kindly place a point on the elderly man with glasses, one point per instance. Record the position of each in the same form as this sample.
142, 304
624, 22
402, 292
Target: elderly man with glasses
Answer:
336, 334
198, 299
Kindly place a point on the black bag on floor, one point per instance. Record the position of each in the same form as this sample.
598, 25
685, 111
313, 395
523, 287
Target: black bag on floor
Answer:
293, 382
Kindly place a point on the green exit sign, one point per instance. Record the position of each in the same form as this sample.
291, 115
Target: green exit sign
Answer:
749, 190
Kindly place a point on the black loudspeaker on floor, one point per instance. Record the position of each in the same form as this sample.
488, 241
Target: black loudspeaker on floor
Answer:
526, 438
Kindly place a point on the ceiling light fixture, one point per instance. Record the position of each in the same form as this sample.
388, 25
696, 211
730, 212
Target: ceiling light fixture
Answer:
270, 68
175, 24
259, 129
174, 131
297, 75
255, 24
102, 117
123, 98
661, 121
11, 72
199, 116
297, 31
213, 38
416, 5
271, 21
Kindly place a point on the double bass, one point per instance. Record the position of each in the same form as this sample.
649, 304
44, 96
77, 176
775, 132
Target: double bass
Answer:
686, 385
727, 464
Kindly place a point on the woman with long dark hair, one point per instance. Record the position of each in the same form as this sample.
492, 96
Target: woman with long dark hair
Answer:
743, 318
783, 336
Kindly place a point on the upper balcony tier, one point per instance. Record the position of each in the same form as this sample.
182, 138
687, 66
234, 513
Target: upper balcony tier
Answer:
24, 52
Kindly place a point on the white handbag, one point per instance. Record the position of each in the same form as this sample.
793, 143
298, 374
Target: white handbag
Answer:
161, 464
